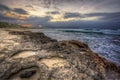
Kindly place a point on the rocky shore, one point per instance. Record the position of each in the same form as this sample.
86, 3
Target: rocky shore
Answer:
26, 55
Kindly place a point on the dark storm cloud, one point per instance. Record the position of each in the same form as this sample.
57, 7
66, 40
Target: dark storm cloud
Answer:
72, 15
4, 8
106, 16
16, 10
35, 21
20, 11
53, 12
103, 16
112, 16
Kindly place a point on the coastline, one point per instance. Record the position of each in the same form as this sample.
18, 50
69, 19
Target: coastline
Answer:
46, 58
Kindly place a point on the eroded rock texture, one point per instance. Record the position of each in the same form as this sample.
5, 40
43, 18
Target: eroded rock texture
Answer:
25, 55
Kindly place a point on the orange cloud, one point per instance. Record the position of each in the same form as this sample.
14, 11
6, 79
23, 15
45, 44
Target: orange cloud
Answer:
16, 16
26, 25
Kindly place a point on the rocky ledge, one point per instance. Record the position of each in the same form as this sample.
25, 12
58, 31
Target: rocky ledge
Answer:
26, 55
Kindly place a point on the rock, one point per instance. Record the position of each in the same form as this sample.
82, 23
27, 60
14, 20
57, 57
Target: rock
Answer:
27, 74
36, 37
38, 57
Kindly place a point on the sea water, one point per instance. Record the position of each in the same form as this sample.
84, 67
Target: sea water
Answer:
105, 42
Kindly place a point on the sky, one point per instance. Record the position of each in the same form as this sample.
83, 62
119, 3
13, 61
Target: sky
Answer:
62, 13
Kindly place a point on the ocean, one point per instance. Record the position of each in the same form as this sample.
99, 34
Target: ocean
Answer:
105, 42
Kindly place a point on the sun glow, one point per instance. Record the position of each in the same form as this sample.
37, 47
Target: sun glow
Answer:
61, 19
90, 18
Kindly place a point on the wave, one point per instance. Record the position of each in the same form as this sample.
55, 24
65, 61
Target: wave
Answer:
103, 32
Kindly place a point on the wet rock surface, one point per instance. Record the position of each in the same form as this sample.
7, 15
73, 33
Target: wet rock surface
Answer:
25, 55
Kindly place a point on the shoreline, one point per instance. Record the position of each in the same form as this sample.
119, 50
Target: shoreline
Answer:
34, 52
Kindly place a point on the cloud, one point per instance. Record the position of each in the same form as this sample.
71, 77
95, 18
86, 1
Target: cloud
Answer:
53, 12
4, 8
106, 16
29, 6
15, 10
16, 16
3, 17
66, 12
114, 16
35, 21
20, 11
105, 20
73, 15
13, 14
